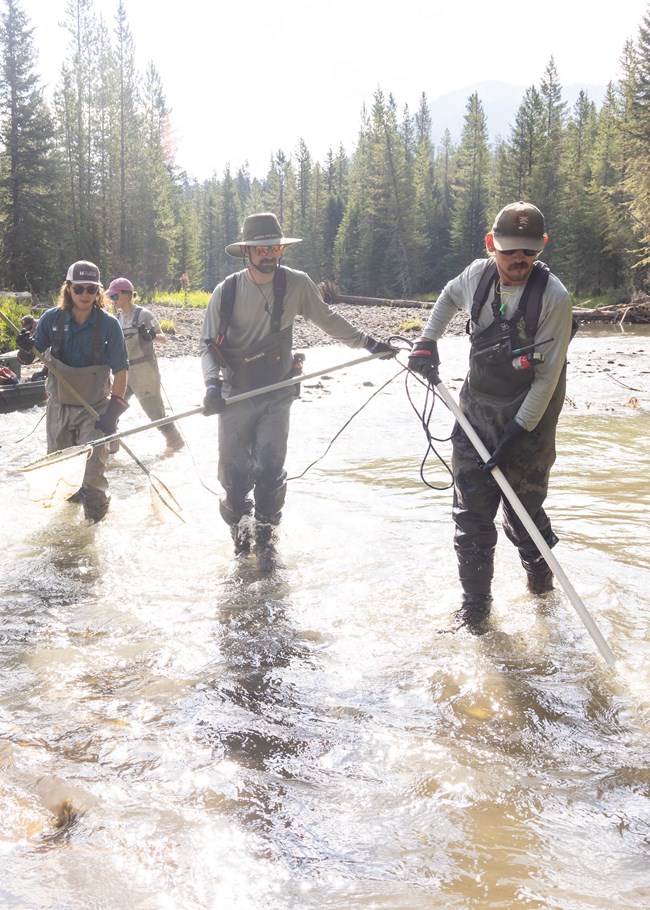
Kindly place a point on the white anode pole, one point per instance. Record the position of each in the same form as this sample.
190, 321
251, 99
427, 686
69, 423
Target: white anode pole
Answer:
530, 526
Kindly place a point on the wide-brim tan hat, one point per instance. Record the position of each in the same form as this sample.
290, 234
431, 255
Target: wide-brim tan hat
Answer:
261, 229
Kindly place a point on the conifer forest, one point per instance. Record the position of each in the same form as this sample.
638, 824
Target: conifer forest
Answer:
91, 174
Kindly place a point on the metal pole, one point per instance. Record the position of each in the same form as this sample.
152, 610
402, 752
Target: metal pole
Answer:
530, 526
283, 384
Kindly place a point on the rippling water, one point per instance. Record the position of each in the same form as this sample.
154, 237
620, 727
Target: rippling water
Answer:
179, 730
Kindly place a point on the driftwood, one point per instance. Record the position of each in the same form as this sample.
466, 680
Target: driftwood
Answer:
332, 295
636, 310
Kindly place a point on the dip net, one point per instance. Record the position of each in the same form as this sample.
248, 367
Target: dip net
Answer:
57, 476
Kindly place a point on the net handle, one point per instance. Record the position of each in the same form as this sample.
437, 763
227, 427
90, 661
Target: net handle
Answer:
234, 399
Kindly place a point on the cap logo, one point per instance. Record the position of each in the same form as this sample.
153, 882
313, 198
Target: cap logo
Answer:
521, 222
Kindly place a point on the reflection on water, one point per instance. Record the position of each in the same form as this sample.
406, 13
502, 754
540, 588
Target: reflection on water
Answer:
179, 730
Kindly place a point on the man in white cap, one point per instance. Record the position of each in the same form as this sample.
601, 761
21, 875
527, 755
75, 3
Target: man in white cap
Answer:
520, 327
84, 344
141, 331
247, 344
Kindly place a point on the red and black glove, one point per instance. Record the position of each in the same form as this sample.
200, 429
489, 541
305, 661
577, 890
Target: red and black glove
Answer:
424, 360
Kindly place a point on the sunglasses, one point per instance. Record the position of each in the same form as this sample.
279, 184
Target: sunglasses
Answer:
276, 250
525, 252
88, 289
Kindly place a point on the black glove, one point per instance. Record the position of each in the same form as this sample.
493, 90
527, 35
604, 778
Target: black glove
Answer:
147, 334
511, 431
107, 423
214, 402
380, 347
25, 341
424, 360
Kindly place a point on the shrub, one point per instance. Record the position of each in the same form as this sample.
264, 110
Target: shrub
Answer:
410, 325
15, 312
168, 327
196, 299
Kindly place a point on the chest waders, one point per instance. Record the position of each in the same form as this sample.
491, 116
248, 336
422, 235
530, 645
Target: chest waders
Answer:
144, 380
253, 436
69, 423
91, 382
490, 397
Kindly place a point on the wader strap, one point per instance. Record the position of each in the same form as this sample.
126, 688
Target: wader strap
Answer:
530, 305
136, 316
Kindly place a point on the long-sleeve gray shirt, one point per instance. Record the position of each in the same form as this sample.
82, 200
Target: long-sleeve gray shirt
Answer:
251, 317
554, 322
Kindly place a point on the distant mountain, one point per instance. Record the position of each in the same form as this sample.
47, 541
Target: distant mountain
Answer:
500, 101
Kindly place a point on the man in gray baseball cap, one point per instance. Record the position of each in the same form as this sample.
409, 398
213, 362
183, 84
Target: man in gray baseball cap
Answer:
520, 324
247, 344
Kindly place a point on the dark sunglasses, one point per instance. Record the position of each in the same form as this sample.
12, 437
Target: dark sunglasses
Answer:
88, 288
525, 252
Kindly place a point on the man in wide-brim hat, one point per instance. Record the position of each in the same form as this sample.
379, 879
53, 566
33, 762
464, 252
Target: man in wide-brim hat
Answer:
247, 344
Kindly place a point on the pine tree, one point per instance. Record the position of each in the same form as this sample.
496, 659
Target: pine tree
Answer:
28, 168
471, 190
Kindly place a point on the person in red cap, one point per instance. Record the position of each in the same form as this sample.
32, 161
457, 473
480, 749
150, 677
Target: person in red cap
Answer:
512, 398
85, 345
141, 331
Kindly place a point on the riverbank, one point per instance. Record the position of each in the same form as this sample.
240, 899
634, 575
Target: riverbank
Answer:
378, 321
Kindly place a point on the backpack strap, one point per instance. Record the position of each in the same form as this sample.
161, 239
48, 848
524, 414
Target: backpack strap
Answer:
530, 304
228, 303
137, 310
97, 340
483, 289
279, 290
227, 306
57, 334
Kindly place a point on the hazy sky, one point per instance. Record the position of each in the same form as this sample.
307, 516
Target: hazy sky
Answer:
244, 80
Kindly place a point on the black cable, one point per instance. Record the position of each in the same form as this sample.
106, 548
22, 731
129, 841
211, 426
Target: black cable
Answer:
345, 425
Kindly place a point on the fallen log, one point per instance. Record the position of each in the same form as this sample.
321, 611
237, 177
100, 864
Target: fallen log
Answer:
636, 310
382, 301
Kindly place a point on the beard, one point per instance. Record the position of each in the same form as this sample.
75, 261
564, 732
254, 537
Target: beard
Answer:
266, 266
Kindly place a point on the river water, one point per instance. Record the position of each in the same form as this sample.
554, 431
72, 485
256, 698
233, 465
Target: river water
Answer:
181, 731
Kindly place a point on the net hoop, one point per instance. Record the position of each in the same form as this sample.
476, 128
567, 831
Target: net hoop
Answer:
56, 457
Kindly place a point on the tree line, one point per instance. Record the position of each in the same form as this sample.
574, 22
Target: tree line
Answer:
92, 175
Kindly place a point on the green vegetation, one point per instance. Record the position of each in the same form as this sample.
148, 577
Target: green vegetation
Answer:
14, 311
168, 327
93, 175
410, 325
196, 299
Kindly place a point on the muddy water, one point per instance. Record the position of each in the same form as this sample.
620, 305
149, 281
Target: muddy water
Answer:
180, 731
